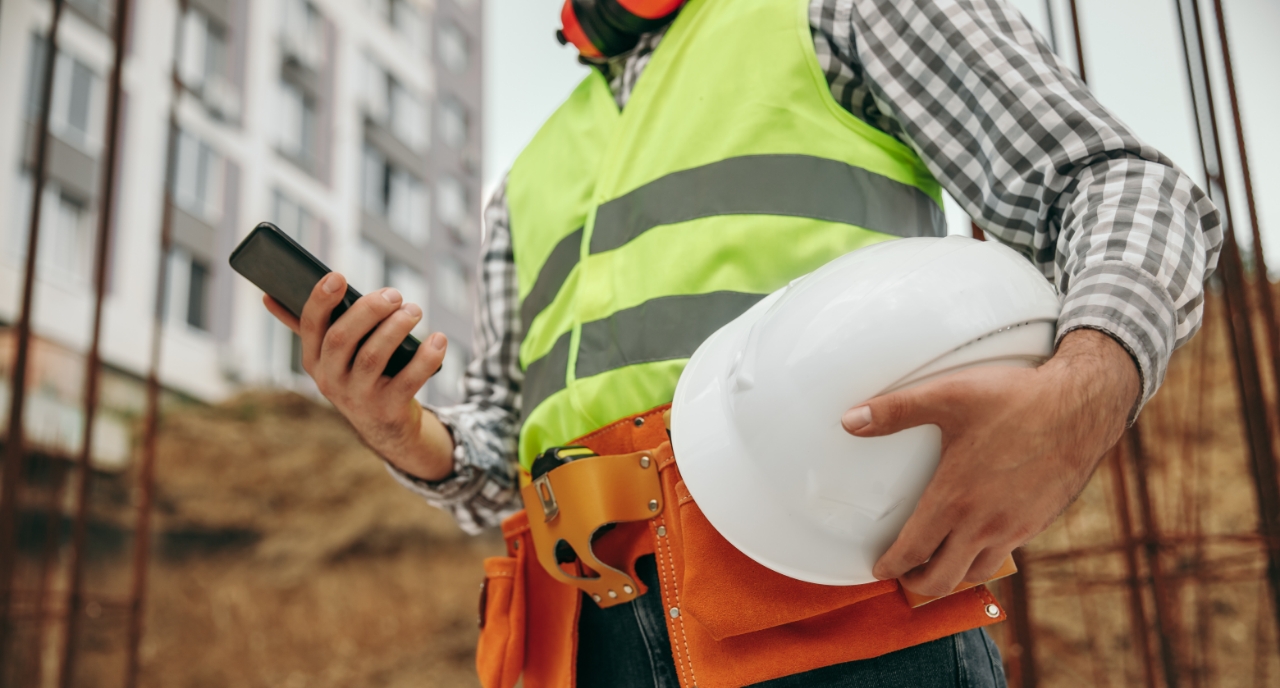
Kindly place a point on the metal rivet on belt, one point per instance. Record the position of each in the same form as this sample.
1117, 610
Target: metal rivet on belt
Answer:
662, 531
596, 598
993, 611
613, 595
675, 612
644, 462
653, 505
639, 422
515, 545
628, 589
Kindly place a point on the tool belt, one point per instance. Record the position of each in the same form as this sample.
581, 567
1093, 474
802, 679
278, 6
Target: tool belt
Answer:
732, 622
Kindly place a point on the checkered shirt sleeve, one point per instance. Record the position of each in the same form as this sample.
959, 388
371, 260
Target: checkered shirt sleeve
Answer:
1034, 159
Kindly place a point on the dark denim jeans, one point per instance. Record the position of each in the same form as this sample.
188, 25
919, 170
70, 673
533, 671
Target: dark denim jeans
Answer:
626, 647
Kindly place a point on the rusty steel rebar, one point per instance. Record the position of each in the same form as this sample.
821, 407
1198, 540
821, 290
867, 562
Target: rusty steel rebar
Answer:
1079, 41
1133, 579
52, 535
93, 361
1258, 422
1261, 280
146, 468
1167, 626
12, 470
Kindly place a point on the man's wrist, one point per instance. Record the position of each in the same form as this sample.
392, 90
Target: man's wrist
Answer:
1099, 370
426, 451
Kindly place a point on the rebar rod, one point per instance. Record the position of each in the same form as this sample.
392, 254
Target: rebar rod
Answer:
1133, 581
1020, 619
1258, 423
93, 361
1167, 626
52, 537
1261, 280
1079, 41
146, 468
12, 470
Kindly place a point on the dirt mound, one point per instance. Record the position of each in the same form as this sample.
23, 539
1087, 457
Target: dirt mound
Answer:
286, 556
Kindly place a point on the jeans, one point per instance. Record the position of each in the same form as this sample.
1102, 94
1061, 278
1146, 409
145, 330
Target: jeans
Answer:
626, 647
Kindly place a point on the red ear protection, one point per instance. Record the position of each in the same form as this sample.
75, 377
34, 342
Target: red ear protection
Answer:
604, 28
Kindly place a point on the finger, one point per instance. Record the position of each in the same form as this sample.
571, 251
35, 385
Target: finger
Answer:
944, 571
282, 314
422, 366
890, 413
314, 322
346, 333
919, 540
371, 359
986, 565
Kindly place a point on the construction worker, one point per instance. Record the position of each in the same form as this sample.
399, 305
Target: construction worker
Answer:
717, 150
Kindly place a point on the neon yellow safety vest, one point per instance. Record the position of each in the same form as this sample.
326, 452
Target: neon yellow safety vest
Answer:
637, 234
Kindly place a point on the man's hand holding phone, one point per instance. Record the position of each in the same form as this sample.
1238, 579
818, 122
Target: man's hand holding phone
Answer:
347, 369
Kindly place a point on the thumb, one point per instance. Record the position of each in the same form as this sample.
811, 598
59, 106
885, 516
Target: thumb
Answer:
890, 413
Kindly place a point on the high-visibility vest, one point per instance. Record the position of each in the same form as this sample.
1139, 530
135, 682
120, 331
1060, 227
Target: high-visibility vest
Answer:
638, 233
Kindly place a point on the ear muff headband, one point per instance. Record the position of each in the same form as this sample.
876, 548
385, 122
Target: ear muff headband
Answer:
604, 28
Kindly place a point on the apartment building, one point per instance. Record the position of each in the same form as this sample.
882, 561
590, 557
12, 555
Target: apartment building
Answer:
354, 125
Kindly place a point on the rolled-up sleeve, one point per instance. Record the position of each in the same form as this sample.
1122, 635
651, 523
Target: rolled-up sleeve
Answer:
1039, 164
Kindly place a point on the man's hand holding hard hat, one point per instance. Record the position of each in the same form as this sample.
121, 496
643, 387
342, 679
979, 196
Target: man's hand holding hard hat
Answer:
1018, 445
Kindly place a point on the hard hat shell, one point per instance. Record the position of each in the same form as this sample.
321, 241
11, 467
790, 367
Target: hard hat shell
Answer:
756, 418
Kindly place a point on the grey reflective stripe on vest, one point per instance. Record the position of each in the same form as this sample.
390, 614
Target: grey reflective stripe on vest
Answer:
545, 376
794, 185
551, 277
657, 330
791, 185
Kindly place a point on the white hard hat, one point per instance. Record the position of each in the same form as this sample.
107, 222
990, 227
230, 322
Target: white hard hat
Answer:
755, 424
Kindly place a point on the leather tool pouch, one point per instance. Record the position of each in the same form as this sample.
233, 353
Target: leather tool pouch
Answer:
500, 651
573, 502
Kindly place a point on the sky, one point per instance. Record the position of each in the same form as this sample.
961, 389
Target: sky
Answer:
1132, 58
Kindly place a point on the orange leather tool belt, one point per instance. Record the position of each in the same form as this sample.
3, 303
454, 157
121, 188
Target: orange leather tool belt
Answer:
731, 621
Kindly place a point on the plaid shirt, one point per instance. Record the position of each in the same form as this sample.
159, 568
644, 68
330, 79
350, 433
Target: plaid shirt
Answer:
1007, 129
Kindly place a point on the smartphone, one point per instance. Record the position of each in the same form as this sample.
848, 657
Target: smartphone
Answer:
279, 266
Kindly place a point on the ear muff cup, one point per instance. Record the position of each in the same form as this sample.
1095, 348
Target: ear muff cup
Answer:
614, 29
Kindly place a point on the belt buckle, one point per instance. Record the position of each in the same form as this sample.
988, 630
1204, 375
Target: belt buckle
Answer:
550, 509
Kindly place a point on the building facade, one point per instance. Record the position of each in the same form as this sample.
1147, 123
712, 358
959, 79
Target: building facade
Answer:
354, 125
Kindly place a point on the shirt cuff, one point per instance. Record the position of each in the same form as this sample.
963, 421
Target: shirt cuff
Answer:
1130, 306
475, 497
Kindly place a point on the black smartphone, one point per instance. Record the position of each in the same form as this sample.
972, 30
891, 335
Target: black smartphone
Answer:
278, 265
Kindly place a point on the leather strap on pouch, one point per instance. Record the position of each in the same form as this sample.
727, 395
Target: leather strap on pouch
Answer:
575, 500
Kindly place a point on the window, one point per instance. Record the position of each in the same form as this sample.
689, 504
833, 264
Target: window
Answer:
75, 109
452, 203
197, 178
203, 65
296, 123
454, 51
95, 10
66, 233
374, 84
297, 222
451, 284
390, 103
449, 380
408, 21
187, 293
453, 122
302, 33
395, 195
408, 117
410, 283
370, 271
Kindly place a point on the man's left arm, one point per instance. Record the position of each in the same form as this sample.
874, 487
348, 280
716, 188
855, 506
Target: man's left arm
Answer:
1126, 236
